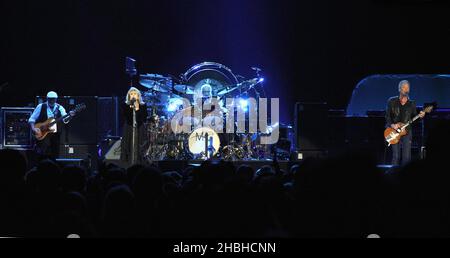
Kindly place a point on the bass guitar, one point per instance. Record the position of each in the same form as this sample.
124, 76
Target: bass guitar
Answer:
45, 127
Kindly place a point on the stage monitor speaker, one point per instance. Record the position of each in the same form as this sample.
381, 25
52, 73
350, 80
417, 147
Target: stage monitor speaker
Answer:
89, 153
65, 162
301, 155
113, 152
311, 126
82, 129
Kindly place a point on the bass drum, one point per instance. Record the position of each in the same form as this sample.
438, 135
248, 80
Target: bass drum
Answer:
197, 142
209, 75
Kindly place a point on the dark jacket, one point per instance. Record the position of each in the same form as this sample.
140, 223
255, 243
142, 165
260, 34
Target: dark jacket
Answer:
393, 115
141, 114
127, 136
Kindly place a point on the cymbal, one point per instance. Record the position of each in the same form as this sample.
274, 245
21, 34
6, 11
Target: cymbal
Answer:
227, 90
154, 85
243, 86
152, 76
150, 96
249, 84
186, 89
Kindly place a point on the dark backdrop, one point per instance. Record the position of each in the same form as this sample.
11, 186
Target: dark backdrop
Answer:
309, 50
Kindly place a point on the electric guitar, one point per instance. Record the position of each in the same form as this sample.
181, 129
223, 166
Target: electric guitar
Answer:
44, 127
393, 136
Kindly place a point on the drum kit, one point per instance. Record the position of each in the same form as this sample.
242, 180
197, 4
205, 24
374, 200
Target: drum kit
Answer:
166, 99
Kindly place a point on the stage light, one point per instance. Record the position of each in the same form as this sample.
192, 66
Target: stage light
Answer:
271, 127
243, 104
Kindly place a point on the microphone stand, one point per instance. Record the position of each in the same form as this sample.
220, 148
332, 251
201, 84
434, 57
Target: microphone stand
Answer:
206, 145
130, 69
133, 141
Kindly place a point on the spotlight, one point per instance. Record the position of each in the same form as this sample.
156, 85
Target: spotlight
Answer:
243, 104
271, 127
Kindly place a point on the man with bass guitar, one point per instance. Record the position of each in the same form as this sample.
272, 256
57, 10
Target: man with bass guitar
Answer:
47, 144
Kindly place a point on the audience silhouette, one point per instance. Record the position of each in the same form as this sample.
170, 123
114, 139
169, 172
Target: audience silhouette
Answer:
344, 196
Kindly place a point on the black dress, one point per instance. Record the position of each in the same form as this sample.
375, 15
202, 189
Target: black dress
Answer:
126, 154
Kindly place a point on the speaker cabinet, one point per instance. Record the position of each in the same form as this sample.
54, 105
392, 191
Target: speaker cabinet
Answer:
311, 126
108, 117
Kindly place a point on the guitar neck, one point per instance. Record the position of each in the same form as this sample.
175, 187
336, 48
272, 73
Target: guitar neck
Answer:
410, 122
77, 109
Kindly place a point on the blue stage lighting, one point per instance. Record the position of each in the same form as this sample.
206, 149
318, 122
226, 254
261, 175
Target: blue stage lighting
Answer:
174, 104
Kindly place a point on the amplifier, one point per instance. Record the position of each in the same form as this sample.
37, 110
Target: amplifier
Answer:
107, 117
436, 118
16, 131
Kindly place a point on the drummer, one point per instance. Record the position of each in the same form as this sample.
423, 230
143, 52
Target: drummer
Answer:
212, 109
208, 98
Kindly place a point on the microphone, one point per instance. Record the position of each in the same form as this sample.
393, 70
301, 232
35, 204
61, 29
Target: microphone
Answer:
132, 101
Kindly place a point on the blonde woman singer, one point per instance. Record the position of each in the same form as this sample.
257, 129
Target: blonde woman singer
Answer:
134, 112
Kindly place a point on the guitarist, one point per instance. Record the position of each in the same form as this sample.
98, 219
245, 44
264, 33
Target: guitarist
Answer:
48, 147
400, 109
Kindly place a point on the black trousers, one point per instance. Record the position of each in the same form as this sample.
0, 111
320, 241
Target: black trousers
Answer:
48, 147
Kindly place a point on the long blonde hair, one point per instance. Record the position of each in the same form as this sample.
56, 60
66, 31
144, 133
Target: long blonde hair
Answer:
127, 98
